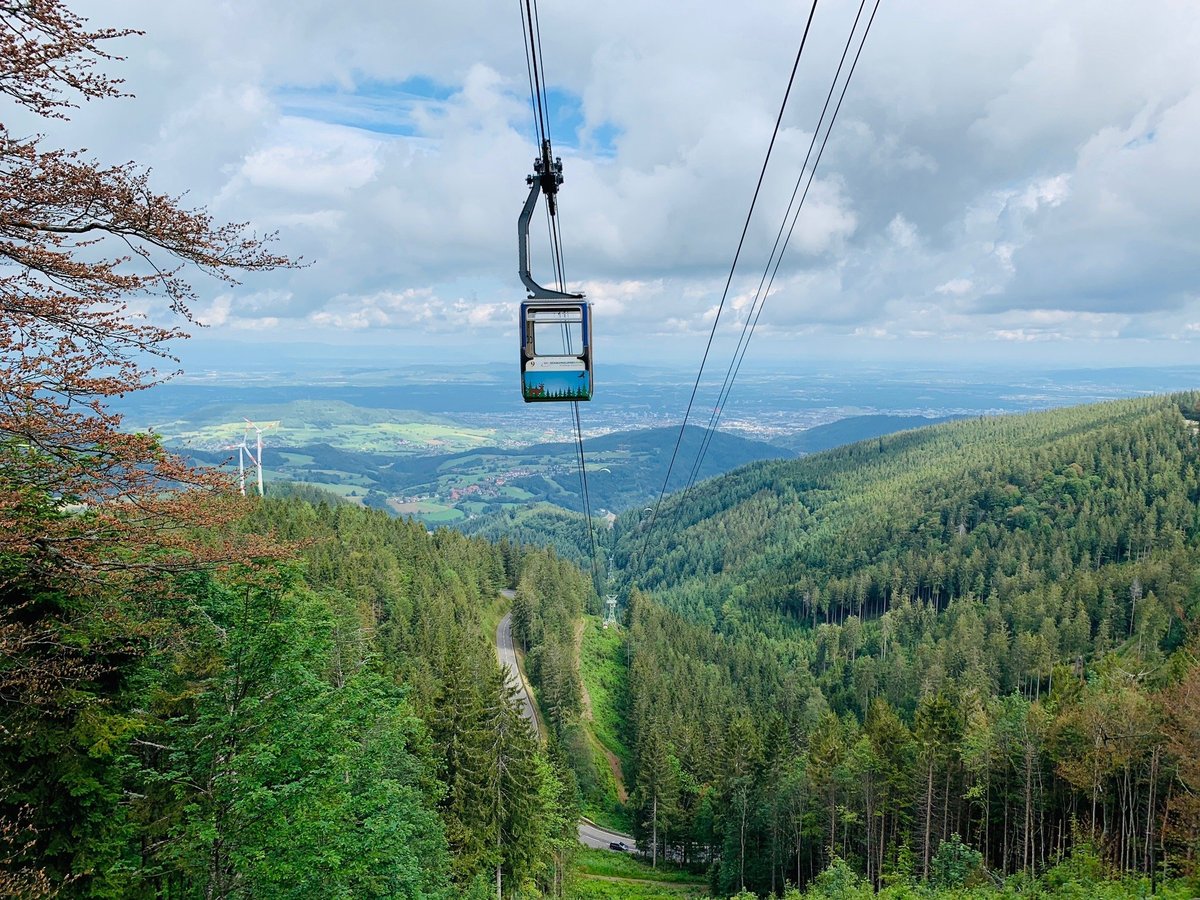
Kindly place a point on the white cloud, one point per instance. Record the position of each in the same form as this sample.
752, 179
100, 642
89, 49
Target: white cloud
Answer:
1027, 159
956, 287
313, 158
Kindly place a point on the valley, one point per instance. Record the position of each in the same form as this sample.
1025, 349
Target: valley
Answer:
899, 600
455, 446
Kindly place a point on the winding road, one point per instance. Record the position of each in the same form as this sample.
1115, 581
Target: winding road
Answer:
507, 654
590, 834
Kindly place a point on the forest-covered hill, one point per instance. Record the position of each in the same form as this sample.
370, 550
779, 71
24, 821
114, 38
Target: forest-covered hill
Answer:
852, 429
980, 629
326, 721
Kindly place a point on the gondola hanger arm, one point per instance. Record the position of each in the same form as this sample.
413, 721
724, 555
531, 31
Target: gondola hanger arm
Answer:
546, 177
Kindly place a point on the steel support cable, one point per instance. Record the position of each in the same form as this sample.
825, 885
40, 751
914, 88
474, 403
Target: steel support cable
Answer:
533, 102
796, 215
533, 50
728, 282
764, 287
536, 37
535, 67
587, 504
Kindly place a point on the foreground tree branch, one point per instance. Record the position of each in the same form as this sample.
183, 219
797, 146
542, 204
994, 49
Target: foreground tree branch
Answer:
92, 261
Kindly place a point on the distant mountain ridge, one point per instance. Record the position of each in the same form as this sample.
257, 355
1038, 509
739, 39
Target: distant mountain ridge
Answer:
828, 533
854, 428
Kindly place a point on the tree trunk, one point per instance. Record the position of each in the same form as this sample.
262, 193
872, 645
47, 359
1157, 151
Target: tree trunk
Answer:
928, 820
946, 807
654, 832
742, 841
1026, 849
882, 850
1148, 856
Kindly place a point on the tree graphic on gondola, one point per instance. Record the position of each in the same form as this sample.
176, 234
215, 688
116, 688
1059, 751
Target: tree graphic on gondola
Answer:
560, 387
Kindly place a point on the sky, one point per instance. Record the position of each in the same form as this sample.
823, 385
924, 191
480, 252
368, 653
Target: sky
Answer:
1005, 182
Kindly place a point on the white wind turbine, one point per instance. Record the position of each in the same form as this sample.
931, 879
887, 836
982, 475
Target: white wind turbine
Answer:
255, 456
242, 450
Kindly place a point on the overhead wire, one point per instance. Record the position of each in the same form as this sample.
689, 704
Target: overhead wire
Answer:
777, 251
728, 282
531, 32
532, 56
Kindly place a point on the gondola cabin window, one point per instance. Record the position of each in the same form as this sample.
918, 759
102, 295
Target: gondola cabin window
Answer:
556, 350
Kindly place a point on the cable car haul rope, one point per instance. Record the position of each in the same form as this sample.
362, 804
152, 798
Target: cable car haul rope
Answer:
555, 325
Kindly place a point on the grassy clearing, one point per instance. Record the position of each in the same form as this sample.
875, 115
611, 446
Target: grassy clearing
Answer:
353, 479
296, 459
624, 865
600, 875
603, 669
333, 487
597, 889
442, 517
515, 493
602, 805
427, 511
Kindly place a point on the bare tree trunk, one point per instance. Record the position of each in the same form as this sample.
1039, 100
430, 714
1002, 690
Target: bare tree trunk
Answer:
883, 832
742, 845
1004, 851
832, 820
869, 803
1148, 854
1027, 849
987, 809
928, 820
946, 807
798, 857
654, 832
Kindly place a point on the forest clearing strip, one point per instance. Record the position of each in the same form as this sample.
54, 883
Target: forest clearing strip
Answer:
586, 698
687, 888
614, 763
509, 659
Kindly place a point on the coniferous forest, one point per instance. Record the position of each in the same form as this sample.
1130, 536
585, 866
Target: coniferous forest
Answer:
332, 724
970, 642
201, 695
960, 661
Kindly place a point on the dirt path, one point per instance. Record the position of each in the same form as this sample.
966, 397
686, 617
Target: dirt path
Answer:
614, 764
587, 698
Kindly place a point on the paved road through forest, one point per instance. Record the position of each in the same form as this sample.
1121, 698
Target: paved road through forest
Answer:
507, 654
589, 833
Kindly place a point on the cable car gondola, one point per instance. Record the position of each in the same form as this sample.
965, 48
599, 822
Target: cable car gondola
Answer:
555, 326
556, 350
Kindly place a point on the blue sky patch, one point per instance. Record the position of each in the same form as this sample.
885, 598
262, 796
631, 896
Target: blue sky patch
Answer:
567, 125
378, 106
386, 107
1142, 140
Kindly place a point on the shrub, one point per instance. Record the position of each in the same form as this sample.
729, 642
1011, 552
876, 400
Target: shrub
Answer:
955, 864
